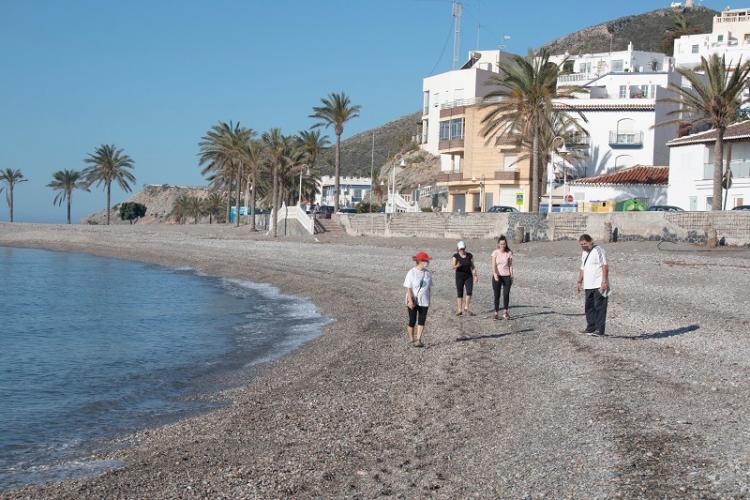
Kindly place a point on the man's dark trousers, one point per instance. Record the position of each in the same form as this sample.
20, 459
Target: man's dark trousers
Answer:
596, 311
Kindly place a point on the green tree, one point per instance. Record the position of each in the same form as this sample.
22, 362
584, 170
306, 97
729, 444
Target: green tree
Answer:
311, 143
213, 206
521, 106
335, 111
65, 182
11, 177
181, 208
107, 165
252, 153
712, 99
131, 211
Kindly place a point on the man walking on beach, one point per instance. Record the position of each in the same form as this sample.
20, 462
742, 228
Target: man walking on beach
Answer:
594, 279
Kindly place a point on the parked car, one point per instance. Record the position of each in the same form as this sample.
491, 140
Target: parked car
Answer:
664, 208
743, 208
501, 209
324, 211
347, 211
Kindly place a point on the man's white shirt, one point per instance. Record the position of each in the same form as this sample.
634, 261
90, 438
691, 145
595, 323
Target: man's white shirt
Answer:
591, 265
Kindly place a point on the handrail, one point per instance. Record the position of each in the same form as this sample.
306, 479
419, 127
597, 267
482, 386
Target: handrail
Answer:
297, 213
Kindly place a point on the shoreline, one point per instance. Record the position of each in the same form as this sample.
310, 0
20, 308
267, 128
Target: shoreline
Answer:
487, 409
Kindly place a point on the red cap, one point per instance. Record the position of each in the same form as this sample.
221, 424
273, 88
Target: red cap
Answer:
421, 256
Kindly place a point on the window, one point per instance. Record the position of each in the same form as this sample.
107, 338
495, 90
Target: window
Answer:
709, 202
617, 66
623, 91
693, 201
584, 67
425, 130
457, 128
510, 162
695, 49
445, 130
425, 102
747, 38
738, 201
720, 38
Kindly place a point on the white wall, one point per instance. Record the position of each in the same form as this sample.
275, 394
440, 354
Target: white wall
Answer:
649, 194
687, 187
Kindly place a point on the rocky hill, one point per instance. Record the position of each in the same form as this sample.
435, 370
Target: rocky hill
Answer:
390, 139
646, 31
159, 201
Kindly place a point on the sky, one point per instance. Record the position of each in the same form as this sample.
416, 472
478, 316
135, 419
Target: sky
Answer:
152, 77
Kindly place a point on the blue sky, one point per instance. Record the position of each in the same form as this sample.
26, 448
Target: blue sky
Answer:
152, 77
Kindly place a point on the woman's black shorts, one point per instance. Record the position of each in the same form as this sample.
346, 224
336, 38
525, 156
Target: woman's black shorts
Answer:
464, 280
417, 316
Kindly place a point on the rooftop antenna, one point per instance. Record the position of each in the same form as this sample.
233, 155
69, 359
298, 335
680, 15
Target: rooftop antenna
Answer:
457, 8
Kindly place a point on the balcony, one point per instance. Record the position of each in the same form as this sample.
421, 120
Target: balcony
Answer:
448, 112
507, 175
576, 78
625, 139
450, 177
451, 144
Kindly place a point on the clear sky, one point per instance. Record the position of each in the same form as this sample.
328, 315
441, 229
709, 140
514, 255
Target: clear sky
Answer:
153, 76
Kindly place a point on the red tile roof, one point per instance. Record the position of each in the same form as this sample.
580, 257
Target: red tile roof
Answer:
737, 132
638, 174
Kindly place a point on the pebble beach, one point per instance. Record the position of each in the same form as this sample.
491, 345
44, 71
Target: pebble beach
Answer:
526, 408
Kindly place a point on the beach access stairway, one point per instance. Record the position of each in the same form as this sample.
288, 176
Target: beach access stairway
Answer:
330, 226
400, 203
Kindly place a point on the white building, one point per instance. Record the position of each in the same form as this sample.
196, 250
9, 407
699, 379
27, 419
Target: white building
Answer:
441, 93
730, 37
691, 168
647, 184
583, 68
620, 113
352, 190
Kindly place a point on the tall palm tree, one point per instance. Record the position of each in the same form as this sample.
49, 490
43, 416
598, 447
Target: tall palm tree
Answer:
252, 155
312, 143
109, 164
521, 106
336, 110
276, 145
222, 150
195, 208
65, 181
181, 208
713, 100
11, 177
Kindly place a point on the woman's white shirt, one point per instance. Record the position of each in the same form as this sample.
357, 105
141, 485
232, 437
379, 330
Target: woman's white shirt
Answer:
420, 283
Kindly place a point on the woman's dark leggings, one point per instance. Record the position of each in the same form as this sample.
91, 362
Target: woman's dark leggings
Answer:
504, 285
420, 311
464, 280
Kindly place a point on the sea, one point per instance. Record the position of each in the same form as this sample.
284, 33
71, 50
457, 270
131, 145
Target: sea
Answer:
94, 348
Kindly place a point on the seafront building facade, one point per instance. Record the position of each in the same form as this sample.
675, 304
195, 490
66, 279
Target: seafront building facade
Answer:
581, 69
729, 37
352, 190
691, 168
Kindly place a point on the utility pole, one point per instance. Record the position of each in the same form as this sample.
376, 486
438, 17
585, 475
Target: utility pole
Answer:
457, 9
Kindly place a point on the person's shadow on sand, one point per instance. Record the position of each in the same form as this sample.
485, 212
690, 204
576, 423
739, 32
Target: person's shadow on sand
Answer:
493, 336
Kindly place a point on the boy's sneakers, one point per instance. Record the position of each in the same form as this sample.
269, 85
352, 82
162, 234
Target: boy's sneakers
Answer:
594, 334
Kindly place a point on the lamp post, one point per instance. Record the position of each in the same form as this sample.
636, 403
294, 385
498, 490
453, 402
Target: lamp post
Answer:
481, 192
551, 174
299, 201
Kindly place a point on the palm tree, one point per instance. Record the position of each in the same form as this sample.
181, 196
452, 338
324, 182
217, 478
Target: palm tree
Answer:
222, 149
195, 208
109, 164
65, 181
11, 177
522, 105
252, 154
713, 100
181, 208
213, 205
336, 110
312, 144
275, 144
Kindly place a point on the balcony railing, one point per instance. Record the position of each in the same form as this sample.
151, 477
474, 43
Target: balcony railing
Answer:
625, 139
469, 102
740, 168
576, 78
450, 144
450, 177
506, 175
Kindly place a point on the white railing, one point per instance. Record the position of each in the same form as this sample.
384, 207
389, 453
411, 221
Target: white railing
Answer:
295, 212
576, 78
400, 203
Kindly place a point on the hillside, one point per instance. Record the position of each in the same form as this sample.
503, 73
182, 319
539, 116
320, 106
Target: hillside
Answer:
390, 139
646, 31
159, 201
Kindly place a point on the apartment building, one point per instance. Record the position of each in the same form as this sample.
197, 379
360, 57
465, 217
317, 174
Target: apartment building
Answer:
729, 37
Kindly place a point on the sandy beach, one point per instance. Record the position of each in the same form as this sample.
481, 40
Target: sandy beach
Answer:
507, 409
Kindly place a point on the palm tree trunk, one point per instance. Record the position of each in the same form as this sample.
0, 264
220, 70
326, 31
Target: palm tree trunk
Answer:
534, 202
229, 200
239, 192
10, 190
252, 204
274, 198
337, 172
109, 193
718, 168
69, 195
247, 198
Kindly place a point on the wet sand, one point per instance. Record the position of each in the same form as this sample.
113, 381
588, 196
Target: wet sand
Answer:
517, 408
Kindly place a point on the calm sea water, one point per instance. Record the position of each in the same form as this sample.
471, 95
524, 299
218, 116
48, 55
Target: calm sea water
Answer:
93, 347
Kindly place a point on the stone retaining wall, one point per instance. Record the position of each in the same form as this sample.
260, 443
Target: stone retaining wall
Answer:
732, 227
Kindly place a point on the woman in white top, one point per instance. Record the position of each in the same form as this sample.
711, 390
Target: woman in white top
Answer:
418, 282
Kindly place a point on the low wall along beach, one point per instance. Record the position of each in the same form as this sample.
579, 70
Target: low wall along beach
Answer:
732, 228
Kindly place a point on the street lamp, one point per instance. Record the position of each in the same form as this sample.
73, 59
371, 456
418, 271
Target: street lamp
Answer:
482, 208
563, 151
299, 201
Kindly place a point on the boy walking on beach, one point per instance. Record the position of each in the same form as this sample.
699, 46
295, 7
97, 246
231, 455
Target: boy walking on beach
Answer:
593, 278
